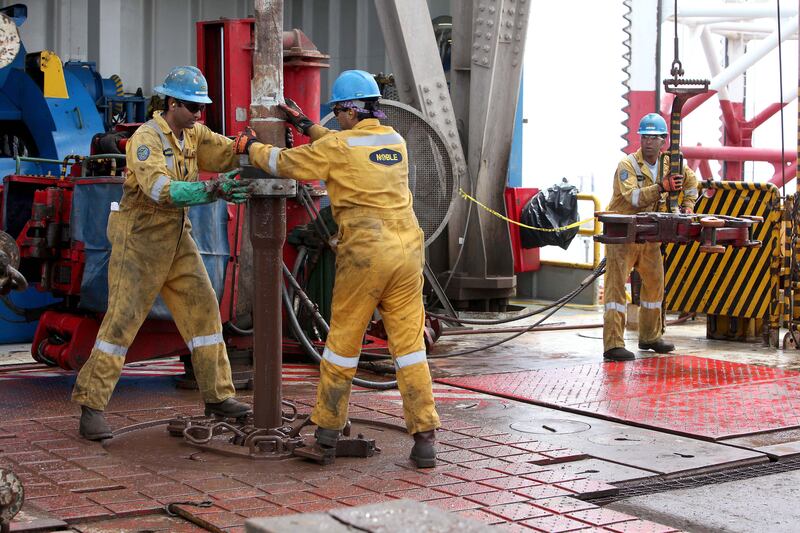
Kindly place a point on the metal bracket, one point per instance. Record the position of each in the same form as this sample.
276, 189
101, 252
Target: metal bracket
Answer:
357, 447
274, 188
713, 232
266, 185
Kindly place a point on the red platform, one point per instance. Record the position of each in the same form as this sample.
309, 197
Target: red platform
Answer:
693, 396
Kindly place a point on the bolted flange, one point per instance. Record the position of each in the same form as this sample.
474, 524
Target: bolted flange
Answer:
266, 185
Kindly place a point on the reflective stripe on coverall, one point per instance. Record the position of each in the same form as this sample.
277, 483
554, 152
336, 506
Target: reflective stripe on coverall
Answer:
379, 261
635, 194
152, 252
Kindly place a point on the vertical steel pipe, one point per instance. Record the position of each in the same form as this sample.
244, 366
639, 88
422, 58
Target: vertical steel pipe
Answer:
267, 234
267, 218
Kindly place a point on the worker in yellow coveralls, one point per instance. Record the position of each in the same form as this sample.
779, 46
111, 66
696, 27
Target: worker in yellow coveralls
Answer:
153, 252
639, 187
380, 252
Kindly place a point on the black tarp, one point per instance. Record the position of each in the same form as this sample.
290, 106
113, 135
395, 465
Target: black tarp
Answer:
554, 208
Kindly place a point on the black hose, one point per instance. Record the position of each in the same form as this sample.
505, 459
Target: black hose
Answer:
315, 311
585, 283
237, 330
302, 252
309, 348
485, 322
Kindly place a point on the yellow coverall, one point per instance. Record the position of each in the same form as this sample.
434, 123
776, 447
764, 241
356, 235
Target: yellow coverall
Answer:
379, 261
152, 252
636, 192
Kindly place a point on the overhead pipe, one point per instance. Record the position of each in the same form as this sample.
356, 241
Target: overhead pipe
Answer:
755, 52
728, 11
737, 68
744, 153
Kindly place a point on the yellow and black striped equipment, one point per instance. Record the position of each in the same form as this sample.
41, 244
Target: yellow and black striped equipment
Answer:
740, 284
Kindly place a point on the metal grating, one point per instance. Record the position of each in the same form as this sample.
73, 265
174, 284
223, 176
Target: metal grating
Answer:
430, 162
647, 486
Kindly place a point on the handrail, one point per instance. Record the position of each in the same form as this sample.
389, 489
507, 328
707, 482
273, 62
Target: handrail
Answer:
595, 230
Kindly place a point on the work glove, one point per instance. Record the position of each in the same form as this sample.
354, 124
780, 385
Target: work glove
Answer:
243, 141
296, 117
687, 210
289, 138
229, 189
671, 183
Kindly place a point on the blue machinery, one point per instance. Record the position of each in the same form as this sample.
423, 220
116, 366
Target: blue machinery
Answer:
52, 111
49, 111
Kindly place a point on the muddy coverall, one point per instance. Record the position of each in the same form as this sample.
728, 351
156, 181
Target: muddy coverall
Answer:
636, 191
152, 252
379, 261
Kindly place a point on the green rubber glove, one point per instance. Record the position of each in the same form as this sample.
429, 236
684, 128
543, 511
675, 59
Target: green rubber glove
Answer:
230, 190
186, 193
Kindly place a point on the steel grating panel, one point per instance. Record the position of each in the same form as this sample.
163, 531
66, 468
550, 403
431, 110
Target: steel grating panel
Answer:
694, 396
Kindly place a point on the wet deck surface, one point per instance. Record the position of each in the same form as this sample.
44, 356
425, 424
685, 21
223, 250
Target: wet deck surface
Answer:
508, 463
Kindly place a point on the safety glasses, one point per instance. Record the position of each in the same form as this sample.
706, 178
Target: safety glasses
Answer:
336, 110
192, 107
653, 138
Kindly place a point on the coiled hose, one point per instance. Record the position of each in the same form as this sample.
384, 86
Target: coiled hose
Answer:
383, 385
597, 272
306, 343
555, 306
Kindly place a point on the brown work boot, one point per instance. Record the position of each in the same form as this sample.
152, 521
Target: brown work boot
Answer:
658, 346
327, 438
229, 408
619, 354
93, 425
423, 453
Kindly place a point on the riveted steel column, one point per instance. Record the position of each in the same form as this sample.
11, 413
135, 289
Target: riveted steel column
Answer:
267, 216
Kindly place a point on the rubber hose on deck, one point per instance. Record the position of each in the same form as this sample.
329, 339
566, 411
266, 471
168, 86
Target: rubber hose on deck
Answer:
600, 269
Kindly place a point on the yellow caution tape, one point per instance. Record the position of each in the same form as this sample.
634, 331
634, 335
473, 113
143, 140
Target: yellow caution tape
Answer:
466, 196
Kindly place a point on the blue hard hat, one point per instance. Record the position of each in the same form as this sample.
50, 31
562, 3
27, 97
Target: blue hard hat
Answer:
354, 85
652, 124
185, 83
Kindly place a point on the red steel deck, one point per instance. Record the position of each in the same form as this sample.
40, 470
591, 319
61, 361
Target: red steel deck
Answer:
487, 475
693, 396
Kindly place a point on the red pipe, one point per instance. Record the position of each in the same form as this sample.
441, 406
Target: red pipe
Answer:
731, 123
736, 153
705, 170
762, 117
746, 153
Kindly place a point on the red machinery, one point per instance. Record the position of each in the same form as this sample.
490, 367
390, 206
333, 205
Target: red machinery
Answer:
52, 255
65, 337
525, 259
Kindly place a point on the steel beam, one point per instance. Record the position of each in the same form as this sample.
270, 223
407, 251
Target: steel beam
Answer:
420, 79
496, 49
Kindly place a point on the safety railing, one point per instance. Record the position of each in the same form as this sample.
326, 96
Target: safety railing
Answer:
594, 230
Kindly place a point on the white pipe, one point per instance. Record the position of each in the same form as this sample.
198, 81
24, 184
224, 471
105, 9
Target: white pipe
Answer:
747, 36
731, 11
712, 58
789, 94
756, 52
744, 27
